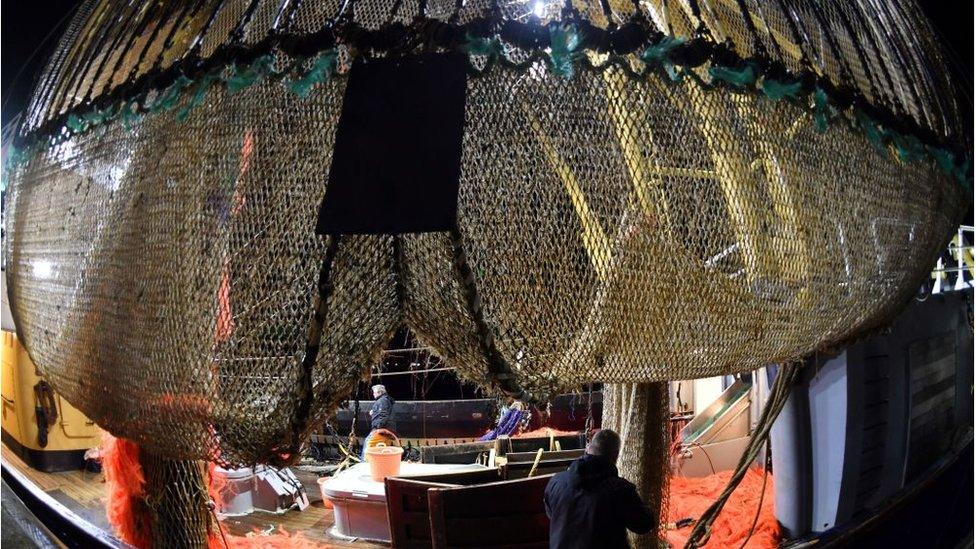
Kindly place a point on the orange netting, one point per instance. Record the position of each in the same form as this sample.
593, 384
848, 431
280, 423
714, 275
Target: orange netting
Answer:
689, 497
544, 432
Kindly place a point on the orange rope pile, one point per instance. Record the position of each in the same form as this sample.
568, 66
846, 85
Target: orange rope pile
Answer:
280, 539
126, 508
689, 497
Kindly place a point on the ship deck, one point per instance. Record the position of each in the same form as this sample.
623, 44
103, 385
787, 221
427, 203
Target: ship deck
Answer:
84, 494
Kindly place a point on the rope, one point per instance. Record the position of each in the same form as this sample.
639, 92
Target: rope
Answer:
778, 396
499, 371
305, 390
762, 495
588, 426
211, 506
355, 416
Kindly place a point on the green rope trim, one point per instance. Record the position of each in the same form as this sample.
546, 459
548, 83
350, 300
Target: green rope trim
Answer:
168, 99
129, 112
964, 173
943, 158
564, 52
240, 79
907, 147
822, 111
564, 48
778, 90
199, 94
97, 117
477, 46
322, 69
16, 157
658, 53
872, 130
742, 77
76, 123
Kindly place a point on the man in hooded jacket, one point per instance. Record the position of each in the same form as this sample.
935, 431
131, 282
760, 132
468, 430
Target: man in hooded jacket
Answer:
589, 505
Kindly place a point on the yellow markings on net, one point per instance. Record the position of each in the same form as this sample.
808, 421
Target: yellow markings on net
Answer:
644, 178
594, 238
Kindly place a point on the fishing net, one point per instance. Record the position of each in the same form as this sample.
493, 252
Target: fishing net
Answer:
645, 191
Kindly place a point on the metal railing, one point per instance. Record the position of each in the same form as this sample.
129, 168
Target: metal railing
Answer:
955, 269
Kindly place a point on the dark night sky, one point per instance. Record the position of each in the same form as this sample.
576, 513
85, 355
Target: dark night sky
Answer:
26, 24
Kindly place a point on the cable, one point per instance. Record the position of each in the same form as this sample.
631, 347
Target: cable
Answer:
702, 448
762, 494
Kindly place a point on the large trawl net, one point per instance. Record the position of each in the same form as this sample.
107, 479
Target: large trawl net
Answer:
644, 191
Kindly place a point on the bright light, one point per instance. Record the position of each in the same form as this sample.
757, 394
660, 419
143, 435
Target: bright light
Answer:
539, 9
43, 269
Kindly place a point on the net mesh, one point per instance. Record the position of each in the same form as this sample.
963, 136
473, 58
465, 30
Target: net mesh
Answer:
164, 273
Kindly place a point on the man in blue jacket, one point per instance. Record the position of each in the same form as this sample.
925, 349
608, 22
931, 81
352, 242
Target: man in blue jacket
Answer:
589, 505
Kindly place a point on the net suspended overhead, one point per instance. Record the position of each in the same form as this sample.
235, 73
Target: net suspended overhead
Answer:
221, 210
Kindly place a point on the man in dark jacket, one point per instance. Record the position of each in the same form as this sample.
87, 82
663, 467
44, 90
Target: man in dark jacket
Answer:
589, 505
380, 416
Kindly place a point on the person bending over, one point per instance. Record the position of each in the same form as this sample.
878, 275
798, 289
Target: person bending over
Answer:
589, 505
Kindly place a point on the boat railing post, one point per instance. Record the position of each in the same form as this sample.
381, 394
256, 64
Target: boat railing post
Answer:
502, 444
959, 252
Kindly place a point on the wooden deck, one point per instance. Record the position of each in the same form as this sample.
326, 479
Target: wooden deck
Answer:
84, 493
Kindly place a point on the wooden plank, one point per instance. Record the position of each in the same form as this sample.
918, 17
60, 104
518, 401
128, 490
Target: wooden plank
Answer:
82, 486
566, 442
498, 529
470, 516
462, 478
407, 509
438, 528
430, 454
546, 456
512, 471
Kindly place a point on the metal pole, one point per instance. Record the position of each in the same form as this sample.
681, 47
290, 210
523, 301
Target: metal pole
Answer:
381, 374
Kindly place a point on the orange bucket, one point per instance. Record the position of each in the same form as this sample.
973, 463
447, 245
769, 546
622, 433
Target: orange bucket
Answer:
384, 461
325, 499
